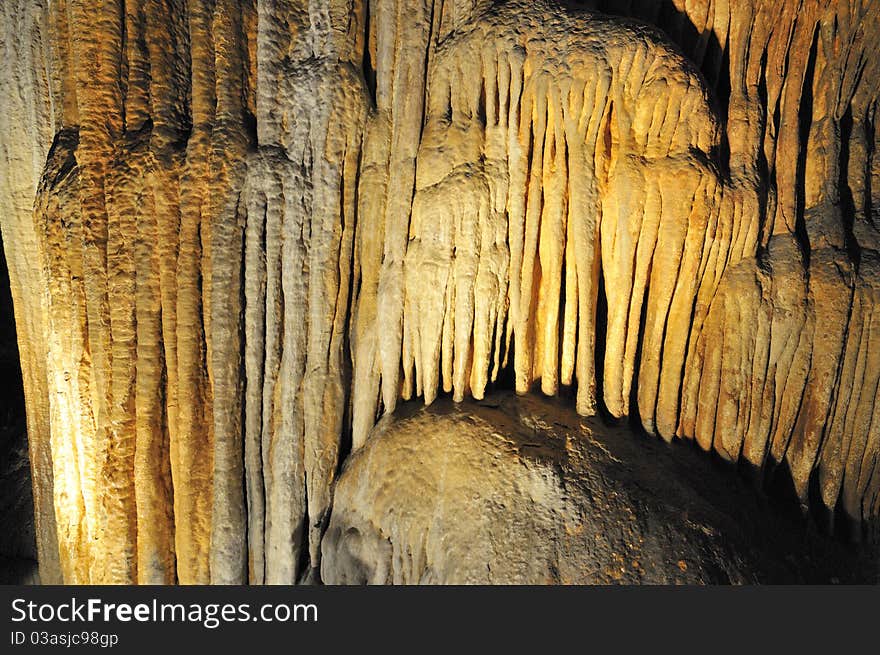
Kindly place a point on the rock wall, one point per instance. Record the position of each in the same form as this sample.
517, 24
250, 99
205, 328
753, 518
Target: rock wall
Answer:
27, 126
240, 232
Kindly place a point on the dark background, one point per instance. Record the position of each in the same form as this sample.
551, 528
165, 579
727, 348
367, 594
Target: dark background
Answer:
17, 543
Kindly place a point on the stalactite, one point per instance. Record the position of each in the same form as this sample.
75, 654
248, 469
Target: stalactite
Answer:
238, 233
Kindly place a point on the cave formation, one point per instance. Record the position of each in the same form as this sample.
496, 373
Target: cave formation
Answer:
249, 240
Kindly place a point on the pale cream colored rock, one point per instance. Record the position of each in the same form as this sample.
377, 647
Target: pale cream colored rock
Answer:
240, 232
523, 491
27, 127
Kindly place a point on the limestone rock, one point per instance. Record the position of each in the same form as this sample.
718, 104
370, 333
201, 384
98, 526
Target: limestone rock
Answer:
27, 127
239, 233
519, 490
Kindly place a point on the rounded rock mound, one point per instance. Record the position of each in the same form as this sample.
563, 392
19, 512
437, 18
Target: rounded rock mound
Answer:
521, 490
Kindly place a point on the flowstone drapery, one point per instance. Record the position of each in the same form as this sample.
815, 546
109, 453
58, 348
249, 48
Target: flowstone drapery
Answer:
239, 232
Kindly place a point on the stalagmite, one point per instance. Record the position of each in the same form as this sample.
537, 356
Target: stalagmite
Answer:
240, 233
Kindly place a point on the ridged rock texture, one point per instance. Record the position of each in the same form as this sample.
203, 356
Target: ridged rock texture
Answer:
240, 231
521, 490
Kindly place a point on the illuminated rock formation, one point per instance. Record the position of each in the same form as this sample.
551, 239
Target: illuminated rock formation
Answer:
239, 232
523, 491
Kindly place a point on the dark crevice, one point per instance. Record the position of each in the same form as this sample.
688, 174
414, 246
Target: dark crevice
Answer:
18, 548
168, 477
762, 163
636, 419
481, 104
721, 98
250, 129
847, 201
601, 341
805, 121
607, 143
301, 539
367, 66
777, 483
716, 69
346, 438
560, 322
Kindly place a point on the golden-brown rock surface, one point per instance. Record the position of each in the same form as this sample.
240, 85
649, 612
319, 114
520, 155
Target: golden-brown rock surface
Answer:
240, 231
